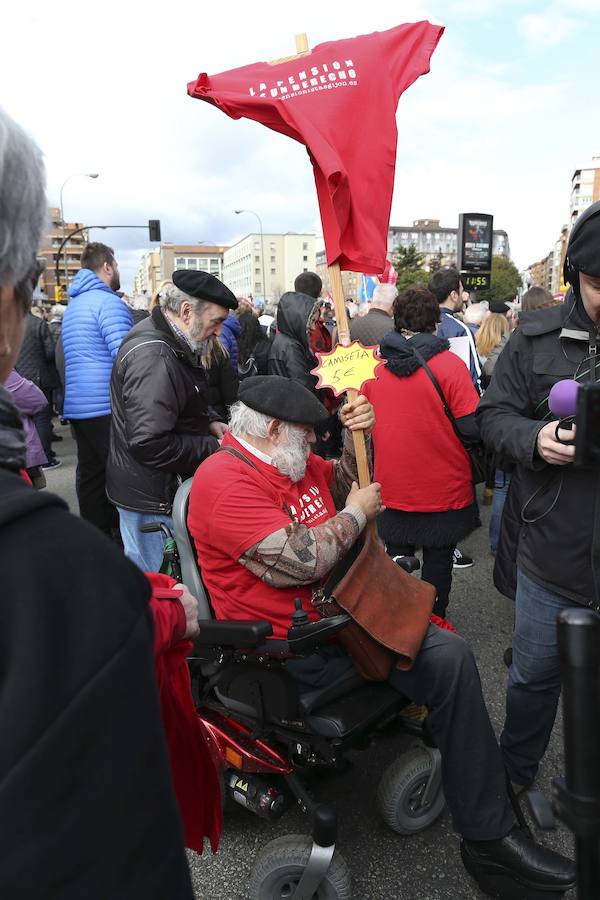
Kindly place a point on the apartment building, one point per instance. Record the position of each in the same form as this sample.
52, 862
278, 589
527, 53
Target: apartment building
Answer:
265, 266
70, 257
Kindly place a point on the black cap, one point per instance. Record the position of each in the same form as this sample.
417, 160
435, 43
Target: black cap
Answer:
583, 249
205, 287
283, 399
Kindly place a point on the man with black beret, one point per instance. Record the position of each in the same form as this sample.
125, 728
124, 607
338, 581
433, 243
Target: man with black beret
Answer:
550, 529
162, 425
270, 520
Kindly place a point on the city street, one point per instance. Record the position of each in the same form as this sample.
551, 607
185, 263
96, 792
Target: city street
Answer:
383, 865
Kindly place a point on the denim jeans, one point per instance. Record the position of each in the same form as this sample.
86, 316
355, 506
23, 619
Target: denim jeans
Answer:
501, 485
533, 679
145, 550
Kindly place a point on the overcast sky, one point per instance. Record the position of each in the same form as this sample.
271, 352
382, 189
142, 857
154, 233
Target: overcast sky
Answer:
508, 111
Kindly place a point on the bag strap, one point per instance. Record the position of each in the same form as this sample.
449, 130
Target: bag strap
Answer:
440, 393
233, 451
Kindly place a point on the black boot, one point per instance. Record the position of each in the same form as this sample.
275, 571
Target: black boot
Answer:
516, 868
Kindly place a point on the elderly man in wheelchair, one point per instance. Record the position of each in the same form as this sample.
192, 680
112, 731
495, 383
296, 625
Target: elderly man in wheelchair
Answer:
269, 520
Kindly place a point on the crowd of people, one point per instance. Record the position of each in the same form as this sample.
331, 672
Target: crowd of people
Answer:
152, 391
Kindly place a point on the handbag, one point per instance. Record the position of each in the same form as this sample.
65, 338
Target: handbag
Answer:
390, 610
476, 450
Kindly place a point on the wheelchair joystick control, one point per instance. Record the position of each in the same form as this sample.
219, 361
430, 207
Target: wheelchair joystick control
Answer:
299, 616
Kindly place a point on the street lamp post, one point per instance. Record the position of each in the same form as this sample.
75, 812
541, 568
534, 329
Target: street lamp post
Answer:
262, 247
62, 212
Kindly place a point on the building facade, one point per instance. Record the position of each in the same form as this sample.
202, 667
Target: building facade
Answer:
350, 280
585, 188
437, 243
147, 278
280, 258
70, 257
158, 265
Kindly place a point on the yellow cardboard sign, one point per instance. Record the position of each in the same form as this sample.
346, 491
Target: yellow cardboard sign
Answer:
346, 368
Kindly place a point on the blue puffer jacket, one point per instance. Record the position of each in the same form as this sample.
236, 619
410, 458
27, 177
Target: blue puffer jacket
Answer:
94, 324
230, 333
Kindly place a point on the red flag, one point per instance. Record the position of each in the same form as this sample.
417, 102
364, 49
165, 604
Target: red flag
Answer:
340, 101
389, 275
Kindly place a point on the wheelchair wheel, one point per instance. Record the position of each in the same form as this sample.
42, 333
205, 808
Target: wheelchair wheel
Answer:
280, 865
400, 793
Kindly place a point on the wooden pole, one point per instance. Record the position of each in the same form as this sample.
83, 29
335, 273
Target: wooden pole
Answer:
343, 329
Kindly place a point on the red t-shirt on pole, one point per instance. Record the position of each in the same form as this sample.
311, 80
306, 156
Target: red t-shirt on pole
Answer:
340, 101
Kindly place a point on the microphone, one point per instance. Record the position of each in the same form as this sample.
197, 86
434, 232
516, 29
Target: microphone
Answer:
563, 398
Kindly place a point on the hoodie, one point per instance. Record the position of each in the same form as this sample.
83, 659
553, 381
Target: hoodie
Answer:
290, 353
94, 324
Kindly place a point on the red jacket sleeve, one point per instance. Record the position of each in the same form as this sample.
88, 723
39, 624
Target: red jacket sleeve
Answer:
168, 613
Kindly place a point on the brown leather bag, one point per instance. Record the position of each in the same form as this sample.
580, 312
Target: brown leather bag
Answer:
390, 609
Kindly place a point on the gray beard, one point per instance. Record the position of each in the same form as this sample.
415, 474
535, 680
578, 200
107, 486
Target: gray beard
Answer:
291, 459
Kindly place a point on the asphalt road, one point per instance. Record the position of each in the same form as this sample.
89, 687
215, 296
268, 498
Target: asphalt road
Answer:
383, 864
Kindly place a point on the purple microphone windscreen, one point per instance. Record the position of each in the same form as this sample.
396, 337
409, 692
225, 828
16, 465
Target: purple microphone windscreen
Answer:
563, 398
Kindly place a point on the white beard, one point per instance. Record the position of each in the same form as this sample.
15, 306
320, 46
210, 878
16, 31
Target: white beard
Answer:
291, 458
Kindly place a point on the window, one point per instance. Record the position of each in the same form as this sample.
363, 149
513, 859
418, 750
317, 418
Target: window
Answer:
180, 262
272, 259
257, 258
305, 259
273, 271
305, 246
257, 271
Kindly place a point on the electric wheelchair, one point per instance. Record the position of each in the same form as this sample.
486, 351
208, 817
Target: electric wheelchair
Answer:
268, 737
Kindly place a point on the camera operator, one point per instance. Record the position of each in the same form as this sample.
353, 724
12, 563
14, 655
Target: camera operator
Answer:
550, 528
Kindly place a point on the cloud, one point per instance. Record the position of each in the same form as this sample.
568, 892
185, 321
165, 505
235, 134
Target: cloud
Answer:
547, 30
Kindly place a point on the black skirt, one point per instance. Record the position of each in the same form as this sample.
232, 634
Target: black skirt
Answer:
428, 529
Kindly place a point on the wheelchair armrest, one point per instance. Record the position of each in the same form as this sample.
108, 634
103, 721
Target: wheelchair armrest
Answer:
238, 633
307, 637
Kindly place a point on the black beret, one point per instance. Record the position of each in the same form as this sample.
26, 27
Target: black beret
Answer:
283, 399
205, 287
500, 307
583, 250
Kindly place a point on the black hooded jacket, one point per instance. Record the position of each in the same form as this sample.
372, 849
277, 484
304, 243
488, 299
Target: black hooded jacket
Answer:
160, 417
86, 799
549, 526
290, 354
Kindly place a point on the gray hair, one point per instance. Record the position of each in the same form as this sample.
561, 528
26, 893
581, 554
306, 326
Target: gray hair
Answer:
139, 301
171, 298
22, 201
384, 294
246, 421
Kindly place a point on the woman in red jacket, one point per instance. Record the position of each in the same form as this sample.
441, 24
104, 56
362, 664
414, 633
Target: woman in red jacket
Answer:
424, 471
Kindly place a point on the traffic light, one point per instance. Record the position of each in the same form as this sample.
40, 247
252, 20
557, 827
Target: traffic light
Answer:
154, 229
58, 293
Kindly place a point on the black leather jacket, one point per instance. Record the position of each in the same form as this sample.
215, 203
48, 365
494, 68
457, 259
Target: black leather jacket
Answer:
549, 524
160, 417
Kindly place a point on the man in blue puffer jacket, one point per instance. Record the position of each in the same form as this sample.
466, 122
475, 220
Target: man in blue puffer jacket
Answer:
94, 324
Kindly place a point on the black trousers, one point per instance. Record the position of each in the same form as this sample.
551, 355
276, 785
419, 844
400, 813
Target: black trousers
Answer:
43, 424
437, 570
444, 678
93, 440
